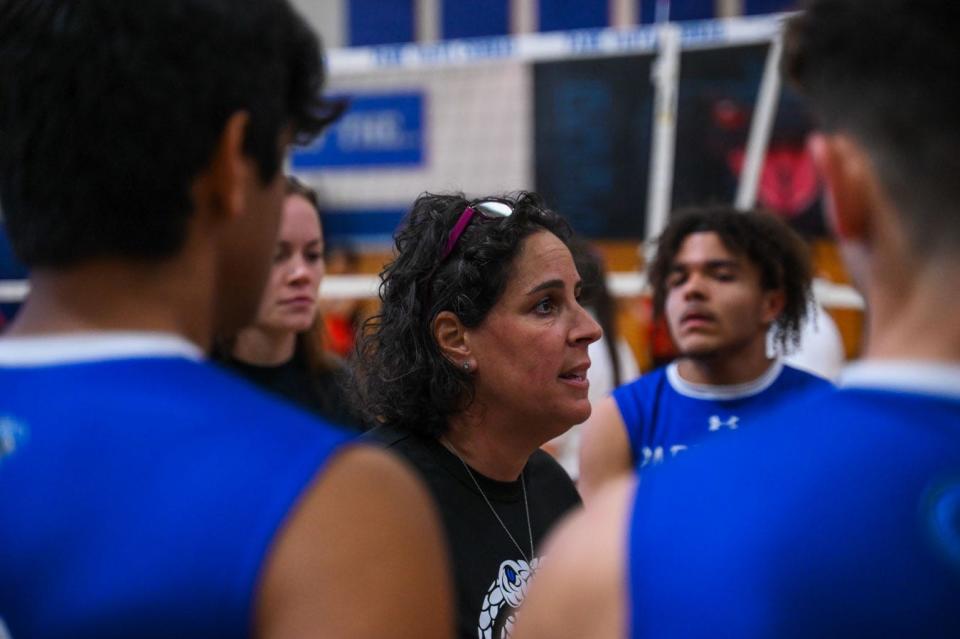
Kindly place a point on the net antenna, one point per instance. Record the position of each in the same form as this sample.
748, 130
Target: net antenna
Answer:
761, 126
666, 78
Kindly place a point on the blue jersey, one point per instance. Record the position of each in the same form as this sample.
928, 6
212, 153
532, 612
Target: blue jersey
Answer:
839, 517
139, 491
665, 414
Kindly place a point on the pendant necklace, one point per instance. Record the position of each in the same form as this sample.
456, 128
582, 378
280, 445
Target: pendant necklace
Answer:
526, 505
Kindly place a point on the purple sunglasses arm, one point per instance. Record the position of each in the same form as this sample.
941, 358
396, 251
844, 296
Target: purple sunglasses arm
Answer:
457, 231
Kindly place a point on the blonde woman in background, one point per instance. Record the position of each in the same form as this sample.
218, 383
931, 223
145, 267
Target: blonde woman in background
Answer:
282, 350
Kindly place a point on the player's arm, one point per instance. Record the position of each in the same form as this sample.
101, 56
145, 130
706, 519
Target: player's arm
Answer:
361, 557
578, 592
604, 451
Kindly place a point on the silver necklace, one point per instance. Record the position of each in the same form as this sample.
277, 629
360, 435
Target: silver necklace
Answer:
526, 505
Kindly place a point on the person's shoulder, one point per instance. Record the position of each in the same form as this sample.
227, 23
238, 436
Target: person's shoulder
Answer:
546, 472
640, 391
366, 525
827, 408
543, 463
644, 380
215, 400
386, 436
419, 450
802, 378
249, 397
910, 411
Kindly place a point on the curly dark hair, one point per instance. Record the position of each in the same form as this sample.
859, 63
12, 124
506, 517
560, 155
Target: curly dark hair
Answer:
400, 377
882, 72
781, 256
124, 102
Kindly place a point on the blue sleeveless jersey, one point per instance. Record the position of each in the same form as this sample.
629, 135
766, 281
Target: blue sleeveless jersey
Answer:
138, 496
664, 415
839, 517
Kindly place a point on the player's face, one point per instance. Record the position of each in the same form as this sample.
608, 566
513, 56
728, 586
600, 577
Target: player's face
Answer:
531, 349
290, 299
715, 304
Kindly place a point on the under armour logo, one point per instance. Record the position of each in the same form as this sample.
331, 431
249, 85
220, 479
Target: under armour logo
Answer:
716, 423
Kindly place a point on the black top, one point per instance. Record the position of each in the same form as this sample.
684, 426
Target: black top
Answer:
319, 393
490, 574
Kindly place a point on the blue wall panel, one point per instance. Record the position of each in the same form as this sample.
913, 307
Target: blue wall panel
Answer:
378, 130
475, 18
752, 7
557, 15
361, 226
380, 22
678, 9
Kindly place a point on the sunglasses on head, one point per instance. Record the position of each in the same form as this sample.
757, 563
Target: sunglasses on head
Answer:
490, 210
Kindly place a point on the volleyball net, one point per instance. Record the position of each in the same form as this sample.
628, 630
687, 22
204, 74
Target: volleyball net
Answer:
615, 127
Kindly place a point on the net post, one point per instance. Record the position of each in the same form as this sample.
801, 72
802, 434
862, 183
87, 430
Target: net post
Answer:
666, 78
760, 126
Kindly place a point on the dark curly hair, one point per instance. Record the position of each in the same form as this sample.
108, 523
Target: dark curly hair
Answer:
400, 377
781, 256
886, 73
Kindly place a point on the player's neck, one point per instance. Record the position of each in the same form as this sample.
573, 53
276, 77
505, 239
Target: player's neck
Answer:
263, 347
724, 368
916, 320
118, 295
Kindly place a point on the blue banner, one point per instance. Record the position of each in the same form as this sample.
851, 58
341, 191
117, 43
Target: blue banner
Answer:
383, 130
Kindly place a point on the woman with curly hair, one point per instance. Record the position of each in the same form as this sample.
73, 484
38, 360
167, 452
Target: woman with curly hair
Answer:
477, 358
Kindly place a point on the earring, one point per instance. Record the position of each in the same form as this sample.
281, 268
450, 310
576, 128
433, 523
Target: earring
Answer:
466, 366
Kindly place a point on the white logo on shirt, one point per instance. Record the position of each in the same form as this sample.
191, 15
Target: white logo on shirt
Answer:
656, 454
716, 423
503, 598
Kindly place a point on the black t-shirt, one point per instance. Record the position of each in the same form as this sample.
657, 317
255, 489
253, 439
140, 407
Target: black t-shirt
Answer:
489, 572
321, 394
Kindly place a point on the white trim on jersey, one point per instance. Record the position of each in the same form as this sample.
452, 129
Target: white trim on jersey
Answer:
910, 376
731, 391
71, 348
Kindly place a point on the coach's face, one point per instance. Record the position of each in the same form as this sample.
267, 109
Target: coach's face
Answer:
530, 351
715, 304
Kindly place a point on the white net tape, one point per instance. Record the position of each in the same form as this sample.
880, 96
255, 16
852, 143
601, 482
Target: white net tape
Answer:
829, 294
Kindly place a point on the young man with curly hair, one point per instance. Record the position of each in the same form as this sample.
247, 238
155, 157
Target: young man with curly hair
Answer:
723, 279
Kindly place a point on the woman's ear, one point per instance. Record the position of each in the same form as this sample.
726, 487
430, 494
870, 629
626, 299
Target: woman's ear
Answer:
450, 334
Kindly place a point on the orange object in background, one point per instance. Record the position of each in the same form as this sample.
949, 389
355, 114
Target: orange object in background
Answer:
341, 334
